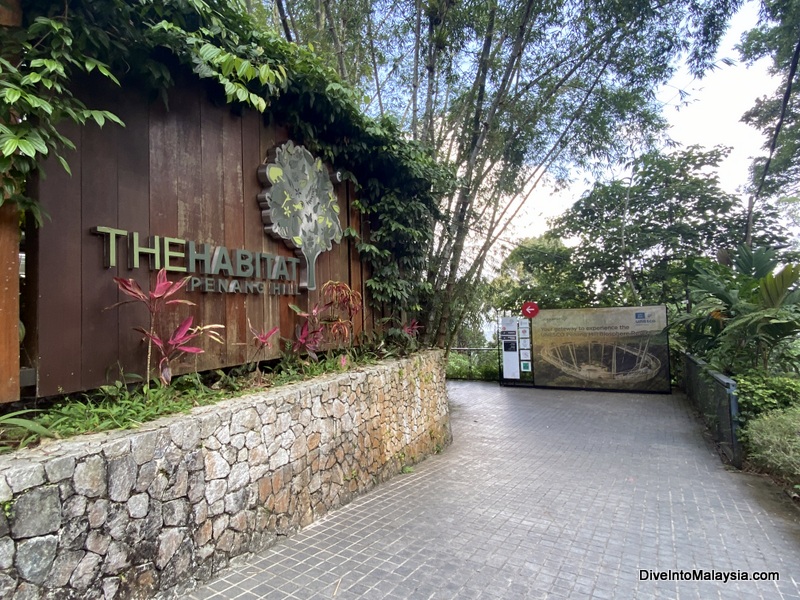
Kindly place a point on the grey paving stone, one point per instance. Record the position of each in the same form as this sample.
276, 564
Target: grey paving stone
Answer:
545, 494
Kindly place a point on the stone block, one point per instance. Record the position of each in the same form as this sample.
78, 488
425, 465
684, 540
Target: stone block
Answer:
98, 513
34, 558
5, 491
23, 478
63, 567
122, 474
7, 550
196, 486
59, 468
138, 505
239, 476
176, 513
73, 533
74, 506
147, 472
236, 501
252, 439
117, 448
245, 420
216, 466
97, 542
36, 512
215, 490
168, 543
89, 478
279, 459
117, 558
86, 571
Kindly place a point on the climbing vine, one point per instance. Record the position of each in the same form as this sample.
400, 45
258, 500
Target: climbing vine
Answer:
148, 43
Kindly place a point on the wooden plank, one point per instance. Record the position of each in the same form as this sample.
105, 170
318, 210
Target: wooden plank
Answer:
236, 332
133, 191
10, 16
369, 312
354, 260
99, 327
194, 216
212, 215
29, 288
58, 326
9, 303
253, 228
164, 149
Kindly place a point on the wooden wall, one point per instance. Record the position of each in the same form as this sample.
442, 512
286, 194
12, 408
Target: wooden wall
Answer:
189, 172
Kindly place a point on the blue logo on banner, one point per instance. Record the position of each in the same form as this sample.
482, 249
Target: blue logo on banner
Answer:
639, 315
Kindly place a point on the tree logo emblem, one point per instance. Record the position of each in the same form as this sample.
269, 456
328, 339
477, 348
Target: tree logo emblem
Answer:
298, 205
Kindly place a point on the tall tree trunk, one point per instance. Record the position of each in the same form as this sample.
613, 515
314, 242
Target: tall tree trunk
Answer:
374, 62
284, 20
337, 44
10, 16
435, 22
415, 84
468, 190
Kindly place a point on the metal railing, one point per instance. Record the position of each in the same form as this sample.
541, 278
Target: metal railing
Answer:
714, 395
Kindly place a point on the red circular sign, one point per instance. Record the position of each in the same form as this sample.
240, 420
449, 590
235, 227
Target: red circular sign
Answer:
530, 309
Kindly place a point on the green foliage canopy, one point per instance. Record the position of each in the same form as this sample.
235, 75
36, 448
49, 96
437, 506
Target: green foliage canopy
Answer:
637, 235
541, 270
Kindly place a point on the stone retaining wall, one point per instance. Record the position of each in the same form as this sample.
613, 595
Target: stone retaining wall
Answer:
150, 512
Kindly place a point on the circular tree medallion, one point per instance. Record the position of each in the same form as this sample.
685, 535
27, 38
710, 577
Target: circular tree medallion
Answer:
298, 205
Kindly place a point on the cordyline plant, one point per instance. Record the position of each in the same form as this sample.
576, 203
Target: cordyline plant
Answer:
335, 315
261, 339
344, 303
176, 345
156, 302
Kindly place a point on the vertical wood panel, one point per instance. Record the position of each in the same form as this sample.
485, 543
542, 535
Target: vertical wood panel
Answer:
194, 213
276, 308
212, 222
236, 332
99, 326
59, 281
354, 263
133, 181
9, 303
253, 227
164, 144
369, 311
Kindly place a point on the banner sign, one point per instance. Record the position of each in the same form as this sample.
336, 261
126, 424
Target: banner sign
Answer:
623, 348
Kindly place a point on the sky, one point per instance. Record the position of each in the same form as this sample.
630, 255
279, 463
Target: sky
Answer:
718, 101
710, 116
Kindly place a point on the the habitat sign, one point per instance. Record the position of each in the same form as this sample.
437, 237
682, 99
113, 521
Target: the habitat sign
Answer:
210, 268
622, 348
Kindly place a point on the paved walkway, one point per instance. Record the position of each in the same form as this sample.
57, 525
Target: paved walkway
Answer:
544, 494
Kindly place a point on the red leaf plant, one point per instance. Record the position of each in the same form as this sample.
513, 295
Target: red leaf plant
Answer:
412, 329
157, 299
308, 341
156, 302
261, 339
173, 347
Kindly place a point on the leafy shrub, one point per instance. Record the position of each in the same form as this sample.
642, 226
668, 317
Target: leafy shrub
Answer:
759, 393
773, 443
457, 366
481, 366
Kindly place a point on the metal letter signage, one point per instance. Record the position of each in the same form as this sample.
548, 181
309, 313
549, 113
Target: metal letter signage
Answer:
300, 207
